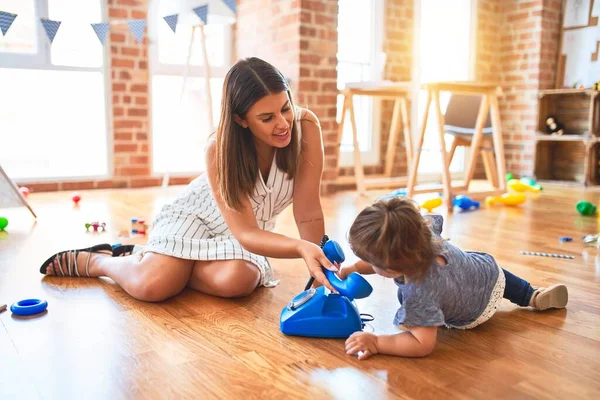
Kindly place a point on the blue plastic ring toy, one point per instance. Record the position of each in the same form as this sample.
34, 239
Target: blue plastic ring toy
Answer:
29, 307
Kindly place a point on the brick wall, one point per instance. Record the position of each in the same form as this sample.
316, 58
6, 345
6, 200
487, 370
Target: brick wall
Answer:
269, 29
524, 62
130, 123
318, 75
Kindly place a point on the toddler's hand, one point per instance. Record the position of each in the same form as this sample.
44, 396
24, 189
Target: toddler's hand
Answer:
344, 272
362, 341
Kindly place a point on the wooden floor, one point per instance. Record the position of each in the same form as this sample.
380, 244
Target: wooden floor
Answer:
97, 342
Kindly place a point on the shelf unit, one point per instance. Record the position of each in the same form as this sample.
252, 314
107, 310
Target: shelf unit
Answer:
572, 158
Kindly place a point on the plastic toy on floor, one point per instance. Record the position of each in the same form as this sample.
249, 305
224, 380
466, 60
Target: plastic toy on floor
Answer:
585, 208
395, 193
508, 199
138, 226
96, 226
322, 313
465, 203
431, 204
519, 186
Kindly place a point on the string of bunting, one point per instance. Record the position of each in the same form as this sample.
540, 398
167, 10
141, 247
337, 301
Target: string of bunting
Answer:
101, 29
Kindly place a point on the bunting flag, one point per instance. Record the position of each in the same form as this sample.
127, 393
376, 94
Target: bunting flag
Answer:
137, 27
51, 28
231, 4
171, 20
101, 30
6, 20
202, 13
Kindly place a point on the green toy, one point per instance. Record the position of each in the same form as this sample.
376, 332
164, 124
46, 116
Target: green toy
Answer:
3, 223
531, 182
585, 208
509, 176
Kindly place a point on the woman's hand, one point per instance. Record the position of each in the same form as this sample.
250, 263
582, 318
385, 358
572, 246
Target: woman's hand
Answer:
315, 259
362, 342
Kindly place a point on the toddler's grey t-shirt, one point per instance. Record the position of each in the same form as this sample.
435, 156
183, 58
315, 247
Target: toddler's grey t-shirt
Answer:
455, 294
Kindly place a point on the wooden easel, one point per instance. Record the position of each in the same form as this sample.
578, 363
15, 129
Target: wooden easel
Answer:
489, 93
397, 91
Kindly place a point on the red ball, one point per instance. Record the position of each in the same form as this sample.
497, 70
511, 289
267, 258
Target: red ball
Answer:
24, 191
76, 198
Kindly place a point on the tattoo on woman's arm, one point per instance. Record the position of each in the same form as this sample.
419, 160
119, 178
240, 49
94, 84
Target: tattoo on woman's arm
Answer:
305, 221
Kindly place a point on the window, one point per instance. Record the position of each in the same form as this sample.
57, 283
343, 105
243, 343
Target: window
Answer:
53, 105
180, 124
445, 32
360, 38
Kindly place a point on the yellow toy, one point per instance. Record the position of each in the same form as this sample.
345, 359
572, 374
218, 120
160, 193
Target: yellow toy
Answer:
431, 203
518, 186
508, 199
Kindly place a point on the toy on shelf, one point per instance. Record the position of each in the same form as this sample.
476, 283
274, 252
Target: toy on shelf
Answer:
76, 198
519, 186
322, 313
3, 223
465, 203
431, 204
508, 199
96, 225
585, 208
553, 127
24, 191
138, 226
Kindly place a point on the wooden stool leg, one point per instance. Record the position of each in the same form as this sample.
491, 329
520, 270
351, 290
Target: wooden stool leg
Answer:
476, 141
412, 178
498, 142
445, 171
392, 139
358, 168
490, 168
406, 128
340, 131
452, 151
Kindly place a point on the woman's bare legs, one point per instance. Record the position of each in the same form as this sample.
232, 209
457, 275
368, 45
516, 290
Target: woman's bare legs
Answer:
151, 277
224, 278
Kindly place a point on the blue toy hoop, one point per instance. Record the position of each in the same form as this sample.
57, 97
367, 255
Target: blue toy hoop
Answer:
29, 307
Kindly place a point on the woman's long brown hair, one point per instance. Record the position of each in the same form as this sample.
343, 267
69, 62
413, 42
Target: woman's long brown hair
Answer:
248, 81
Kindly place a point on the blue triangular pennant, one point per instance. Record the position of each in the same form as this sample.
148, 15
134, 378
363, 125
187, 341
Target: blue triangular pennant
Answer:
6, 20
171, 20
231, 4
51, 28
202, 13
137, 26
101, 30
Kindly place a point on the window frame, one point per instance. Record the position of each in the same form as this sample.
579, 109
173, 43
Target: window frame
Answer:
195, 71
41, 60
416, 86
373, 156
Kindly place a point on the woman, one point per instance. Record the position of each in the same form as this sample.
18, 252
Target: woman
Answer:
216, 235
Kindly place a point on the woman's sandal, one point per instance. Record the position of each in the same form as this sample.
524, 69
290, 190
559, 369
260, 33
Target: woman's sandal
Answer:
123, 250
65, 262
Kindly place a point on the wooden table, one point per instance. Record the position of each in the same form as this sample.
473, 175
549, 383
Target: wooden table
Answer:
489, 93
397, 91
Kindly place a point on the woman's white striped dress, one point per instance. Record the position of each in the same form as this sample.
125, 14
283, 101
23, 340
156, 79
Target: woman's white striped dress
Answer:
192, 227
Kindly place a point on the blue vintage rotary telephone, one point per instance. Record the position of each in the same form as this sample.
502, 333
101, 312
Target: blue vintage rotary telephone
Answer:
322, 313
